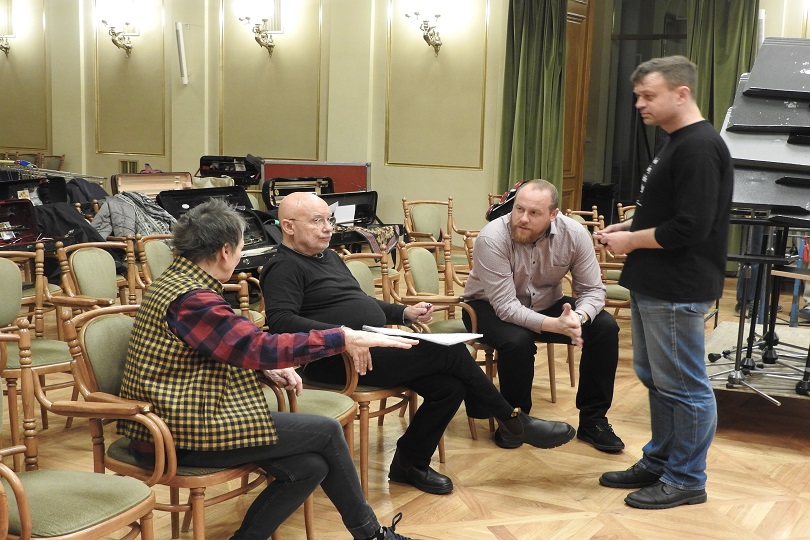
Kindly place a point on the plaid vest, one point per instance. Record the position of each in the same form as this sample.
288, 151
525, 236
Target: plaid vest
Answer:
207, 405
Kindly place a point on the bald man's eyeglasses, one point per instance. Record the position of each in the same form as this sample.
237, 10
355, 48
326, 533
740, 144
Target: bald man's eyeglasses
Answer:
318, 222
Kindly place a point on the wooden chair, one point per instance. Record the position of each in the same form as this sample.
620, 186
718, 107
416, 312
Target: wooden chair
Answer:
61, 504
99, 350
89, 270
48, 356
616, 296
52, 162
625, 212
432, 221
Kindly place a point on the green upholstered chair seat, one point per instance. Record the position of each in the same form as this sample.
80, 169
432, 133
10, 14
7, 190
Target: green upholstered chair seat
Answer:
447, 326
255, 316
459, 259
613, 275
44, 352
28, 290
376, 272
319, 402
64, 502
617, 292
338, 387
119, 451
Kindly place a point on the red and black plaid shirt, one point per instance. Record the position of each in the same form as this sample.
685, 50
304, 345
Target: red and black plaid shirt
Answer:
204, 321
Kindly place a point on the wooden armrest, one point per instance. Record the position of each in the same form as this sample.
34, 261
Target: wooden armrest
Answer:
431, 298
86, 409
104, 397
80, 301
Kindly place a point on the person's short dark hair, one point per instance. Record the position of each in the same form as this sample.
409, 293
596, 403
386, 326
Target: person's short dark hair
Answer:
205, 229
543, 185
676, 71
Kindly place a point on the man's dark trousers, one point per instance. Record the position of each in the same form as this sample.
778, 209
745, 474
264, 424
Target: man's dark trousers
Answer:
516, 349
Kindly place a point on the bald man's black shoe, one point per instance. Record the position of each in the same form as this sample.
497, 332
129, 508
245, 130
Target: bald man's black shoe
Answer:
420, 477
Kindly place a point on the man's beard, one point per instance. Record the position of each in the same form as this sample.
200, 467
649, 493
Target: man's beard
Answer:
520, 236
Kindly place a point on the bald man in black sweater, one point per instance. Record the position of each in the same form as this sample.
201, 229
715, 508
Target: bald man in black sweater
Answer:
307, 287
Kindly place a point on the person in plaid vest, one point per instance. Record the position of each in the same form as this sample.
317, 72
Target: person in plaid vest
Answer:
198, 363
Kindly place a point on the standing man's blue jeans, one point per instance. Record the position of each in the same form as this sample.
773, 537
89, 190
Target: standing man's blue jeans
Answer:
668, 356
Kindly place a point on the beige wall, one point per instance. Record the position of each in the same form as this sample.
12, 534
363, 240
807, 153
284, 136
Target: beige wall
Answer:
349, 80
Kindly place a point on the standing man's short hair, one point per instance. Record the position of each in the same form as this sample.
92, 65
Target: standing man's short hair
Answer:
676, 71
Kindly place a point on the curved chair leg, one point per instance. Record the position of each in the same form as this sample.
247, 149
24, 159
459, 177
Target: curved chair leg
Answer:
572, 368
309, 521
552, 372
147, 527
442, 458
473, 428
364, 419
174, 500
196, 497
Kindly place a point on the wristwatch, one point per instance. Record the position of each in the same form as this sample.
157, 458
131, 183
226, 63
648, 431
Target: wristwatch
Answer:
583, 319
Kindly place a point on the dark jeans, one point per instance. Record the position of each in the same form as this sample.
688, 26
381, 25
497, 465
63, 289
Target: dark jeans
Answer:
443, 376
516, 349
311, 450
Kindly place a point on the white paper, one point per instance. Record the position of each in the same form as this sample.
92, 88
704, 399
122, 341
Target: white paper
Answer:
441, 339
344, 214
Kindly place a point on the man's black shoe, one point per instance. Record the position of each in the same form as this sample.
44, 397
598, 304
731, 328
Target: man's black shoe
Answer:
661, 495
539, 433
634, 477
421, 477
499, 441
804, 313
601, 436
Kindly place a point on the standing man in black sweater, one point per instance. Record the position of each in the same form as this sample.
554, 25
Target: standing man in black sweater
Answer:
676, 245
307, 287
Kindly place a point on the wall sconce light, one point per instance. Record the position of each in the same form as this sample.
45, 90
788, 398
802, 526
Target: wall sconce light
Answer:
429, 33
119, 38
6, 28
264, 18
262, 34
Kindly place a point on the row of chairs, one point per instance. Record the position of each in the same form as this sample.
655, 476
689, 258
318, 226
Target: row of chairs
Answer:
96, 344
51, 162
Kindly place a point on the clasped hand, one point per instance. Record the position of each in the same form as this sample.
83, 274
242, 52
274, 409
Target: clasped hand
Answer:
567, 324
420, 313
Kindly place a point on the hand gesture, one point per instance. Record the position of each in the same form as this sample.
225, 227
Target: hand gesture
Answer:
287, 378
358, 343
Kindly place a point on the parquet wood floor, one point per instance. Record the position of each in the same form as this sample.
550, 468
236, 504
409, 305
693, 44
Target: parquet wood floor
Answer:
759, 475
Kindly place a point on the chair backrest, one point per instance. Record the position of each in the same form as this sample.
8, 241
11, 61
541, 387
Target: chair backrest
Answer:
94, 272
156, 257
104, 341
428, 220
420, 270
362, 273
10, 292
89, 269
